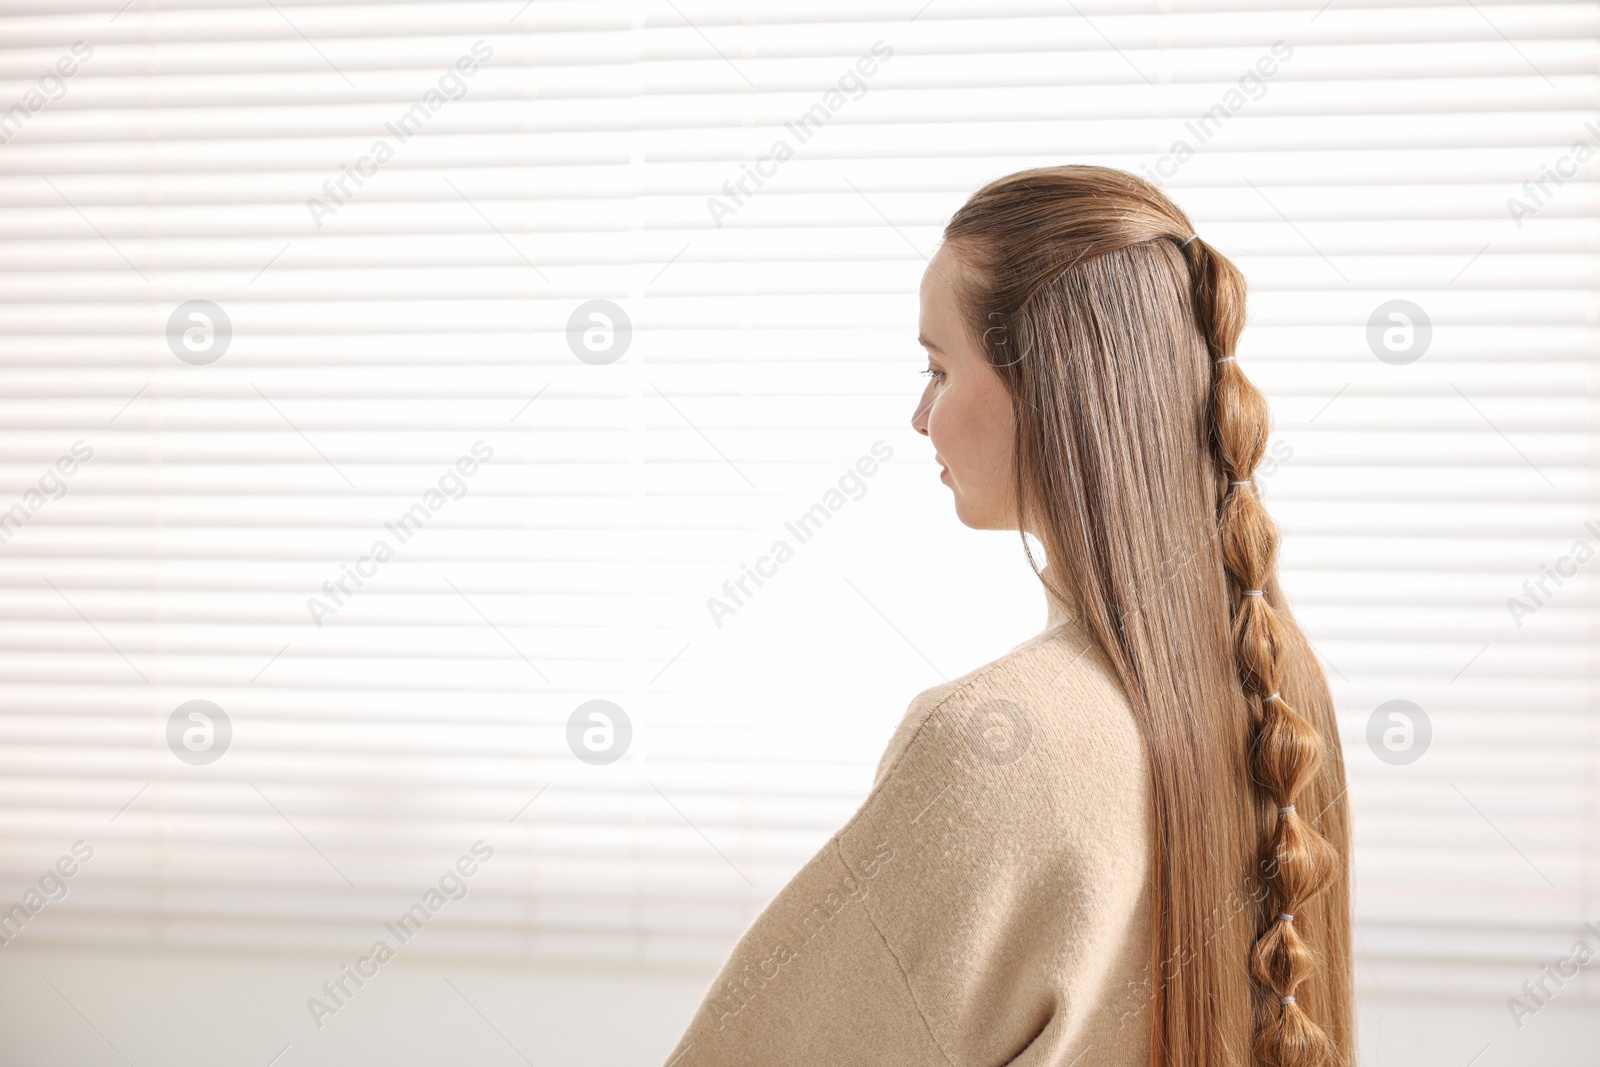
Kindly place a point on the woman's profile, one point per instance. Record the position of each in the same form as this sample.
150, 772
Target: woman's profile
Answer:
1126, 841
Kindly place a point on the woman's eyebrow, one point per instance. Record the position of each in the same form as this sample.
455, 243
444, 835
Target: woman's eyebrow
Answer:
925, 343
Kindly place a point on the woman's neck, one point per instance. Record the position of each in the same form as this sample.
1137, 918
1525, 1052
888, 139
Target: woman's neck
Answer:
1059, 610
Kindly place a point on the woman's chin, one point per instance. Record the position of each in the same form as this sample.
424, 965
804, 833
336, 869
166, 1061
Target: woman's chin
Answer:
979, 518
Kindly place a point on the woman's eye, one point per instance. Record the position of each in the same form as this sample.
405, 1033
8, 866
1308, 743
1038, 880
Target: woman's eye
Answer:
930, 372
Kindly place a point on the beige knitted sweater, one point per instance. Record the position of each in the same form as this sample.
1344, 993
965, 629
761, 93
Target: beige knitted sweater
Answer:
985, 905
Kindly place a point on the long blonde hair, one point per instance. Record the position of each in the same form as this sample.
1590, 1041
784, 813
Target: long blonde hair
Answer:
1137, 435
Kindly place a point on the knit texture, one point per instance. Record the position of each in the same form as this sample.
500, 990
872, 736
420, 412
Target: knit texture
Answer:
986, 904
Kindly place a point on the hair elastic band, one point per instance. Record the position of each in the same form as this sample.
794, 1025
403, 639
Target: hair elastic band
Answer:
1185, 244
1227, 359
1286, 917
1245, 482
1287, 810
1252, 592
1271, 696
1288, 999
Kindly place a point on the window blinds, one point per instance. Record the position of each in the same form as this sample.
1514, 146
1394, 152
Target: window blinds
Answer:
391, 392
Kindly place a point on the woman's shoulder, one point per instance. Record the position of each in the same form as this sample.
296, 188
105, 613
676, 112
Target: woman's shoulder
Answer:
985, 904
1004, 851
1051, 704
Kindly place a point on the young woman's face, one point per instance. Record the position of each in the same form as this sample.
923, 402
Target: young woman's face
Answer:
965, 410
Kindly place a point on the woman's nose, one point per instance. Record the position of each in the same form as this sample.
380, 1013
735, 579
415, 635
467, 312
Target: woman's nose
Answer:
919, 418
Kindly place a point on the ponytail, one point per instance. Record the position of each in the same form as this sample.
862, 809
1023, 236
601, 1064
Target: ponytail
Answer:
1297, 862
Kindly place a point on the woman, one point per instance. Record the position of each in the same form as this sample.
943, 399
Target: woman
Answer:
1124, 842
